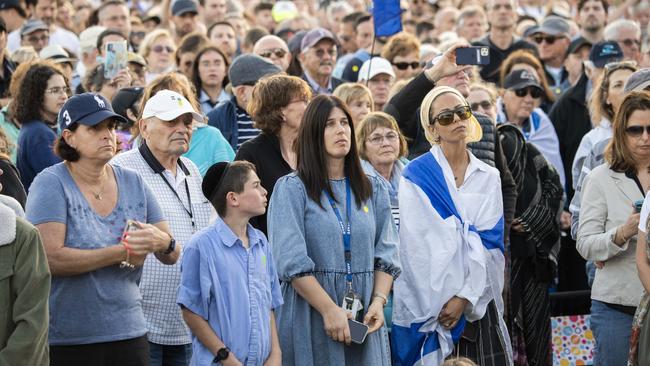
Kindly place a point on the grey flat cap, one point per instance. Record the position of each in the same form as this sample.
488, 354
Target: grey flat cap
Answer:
247, 69
554, 26
638, 81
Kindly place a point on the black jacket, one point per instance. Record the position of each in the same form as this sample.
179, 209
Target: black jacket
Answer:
405, 108
570, 117
264, 152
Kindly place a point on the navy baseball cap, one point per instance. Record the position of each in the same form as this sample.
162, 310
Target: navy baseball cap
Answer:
89, 109
603, 53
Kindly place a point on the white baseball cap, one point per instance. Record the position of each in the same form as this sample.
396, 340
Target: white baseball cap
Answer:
168, 105
376, 66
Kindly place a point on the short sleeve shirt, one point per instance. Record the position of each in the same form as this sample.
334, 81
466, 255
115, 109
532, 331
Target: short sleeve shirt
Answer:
102, 305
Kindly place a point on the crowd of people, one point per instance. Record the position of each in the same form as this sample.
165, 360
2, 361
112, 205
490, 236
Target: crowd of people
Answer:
250, 182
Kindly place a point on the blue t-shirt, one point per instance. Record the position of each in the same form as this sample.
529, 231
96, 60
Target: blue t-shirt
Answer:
103, 305
208, 147
35, 153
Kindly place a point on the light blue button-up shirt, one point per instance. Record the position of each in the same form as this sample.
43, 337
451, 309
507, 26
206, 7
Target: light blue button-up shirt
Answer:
233, 288
206, 103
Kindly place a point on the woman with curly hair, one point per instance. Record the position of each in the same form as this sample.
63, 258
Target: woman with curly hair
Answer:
42, 93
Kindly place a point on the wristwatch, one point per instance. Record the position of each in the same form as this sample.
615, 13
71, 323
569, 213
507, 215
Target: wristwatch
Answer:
172, 245
222, 354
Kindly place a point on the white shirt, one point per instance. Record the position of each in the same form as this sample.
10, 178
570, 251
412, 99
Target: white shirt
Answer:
60, 36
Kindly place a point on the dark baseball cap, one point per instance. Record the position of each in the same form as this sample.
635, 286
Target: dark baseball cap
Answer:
577, 44
181, 7
12, 4
314, 36
520, 79
554, 26
605, 52
89, 109
125, 98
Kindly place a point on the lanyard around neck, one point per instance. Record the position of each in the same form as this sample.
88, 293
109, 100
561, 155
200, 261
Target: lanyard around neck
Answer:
345, 229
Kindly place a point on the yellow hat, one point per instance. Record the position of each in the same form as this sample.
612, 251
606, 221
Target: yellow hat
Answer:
475, 132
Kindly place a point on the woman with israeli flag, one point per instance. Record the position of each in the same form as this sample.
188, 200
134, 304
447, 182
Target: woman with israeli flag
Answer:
448, 298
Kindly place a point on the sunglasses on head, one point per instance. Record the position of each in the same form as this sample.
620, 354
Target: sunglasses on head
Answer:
485, 104
447, 117
617, 65
406, 65
159, 49
637, 131
534, 92
278, 52
549, 39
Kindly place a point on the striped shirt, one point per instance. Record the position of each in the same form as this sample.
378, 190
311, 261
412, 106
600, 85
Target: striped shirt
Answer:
159, 283
245, 126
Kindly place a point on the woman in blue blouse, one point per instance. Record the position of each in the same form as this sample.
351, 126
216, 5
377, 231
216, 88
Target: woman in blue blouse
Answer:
322, 217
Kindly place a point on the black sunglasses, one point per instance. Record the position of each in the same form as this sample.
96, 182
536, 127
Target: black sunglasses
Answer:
534, 92
637, 131
549, 39
406, 65
485, 104
447, 117
278, 52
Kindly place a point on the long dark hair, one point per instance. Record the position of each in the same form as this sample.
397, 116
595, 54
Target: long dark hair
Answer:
311, 155
196, 80
28, 103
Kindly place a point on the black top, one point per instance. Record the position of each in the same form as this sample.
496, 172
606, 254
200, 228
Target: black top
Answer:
10, 180
8, 68
490, 72
264, 152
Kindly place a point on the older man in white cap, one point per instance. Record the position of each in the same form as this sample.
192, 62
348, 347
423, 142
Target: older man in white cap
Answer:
377, 73
166, 131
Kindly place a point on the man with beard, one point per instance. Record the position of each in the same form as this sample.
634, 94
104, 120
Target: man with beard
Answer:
45, 10
502, 16
592, 17
185, 14
318, 57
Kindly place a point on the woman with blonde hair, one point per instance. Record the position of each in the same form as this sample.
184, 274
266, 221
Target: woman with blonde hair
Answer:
158, 50
358, 99
448, 299
482, 98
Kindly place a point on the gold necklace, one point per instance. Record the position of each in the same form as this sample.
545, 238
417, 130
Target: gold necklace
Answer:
97, 195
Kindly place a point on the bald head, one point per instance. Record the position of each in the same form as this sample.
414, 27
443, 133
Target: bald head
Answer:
274, 49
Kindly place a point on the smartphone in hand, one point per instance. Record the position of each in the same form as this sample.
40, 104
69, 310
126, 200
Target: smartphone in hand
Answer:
115, 58
358, 331
476, 55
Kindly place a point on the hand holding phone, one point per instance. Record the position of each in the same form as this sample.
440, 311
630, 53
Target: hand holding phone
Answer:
335, 324
115, 58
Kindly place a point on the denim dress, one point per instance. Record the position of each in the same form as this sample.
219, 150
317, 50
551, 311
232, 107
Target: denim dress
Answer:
307, 241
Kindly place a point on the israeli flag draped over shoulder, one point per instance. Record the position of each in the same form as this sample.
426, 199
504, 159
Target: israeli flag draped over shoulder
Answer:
445, 251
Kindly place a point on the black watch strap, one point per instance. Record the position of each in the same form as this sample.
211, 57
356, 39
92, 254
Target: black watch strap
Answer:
222, 354
172, 245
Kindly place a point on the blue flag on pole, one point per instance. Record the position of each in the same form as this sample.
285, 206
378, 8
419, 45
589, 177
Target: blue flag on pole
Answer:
387, 17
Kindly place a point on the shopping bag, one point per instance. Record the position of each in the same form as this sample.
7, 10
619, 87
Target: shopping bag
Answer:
572, 340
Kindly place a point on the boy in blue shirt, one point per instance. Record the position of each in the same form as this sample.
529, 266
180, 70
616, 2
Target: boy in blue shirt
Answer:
229, 284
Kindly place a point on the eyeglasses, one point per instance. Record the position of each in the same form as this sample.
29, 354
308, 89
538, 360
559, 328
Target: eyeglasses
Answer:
406, 65
43, 38
549, 39
58, 90
160, 49
447, 117
485, 104
630, 42
321, 52
534, 92
637, 131
139, 34
277, 52
378, 139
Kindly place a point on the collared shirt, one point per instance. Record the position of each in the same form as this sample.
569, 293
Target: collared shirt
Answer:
206, 103
160, 281
233, 288
317, 88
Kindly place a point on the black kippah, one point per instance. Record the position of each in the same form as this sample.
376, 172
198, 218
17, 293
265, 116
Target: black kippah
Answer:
213, 178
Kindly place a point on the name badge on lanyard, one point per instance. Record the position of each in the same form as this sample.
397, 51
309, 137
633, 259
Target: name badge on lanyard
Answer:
352, 303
